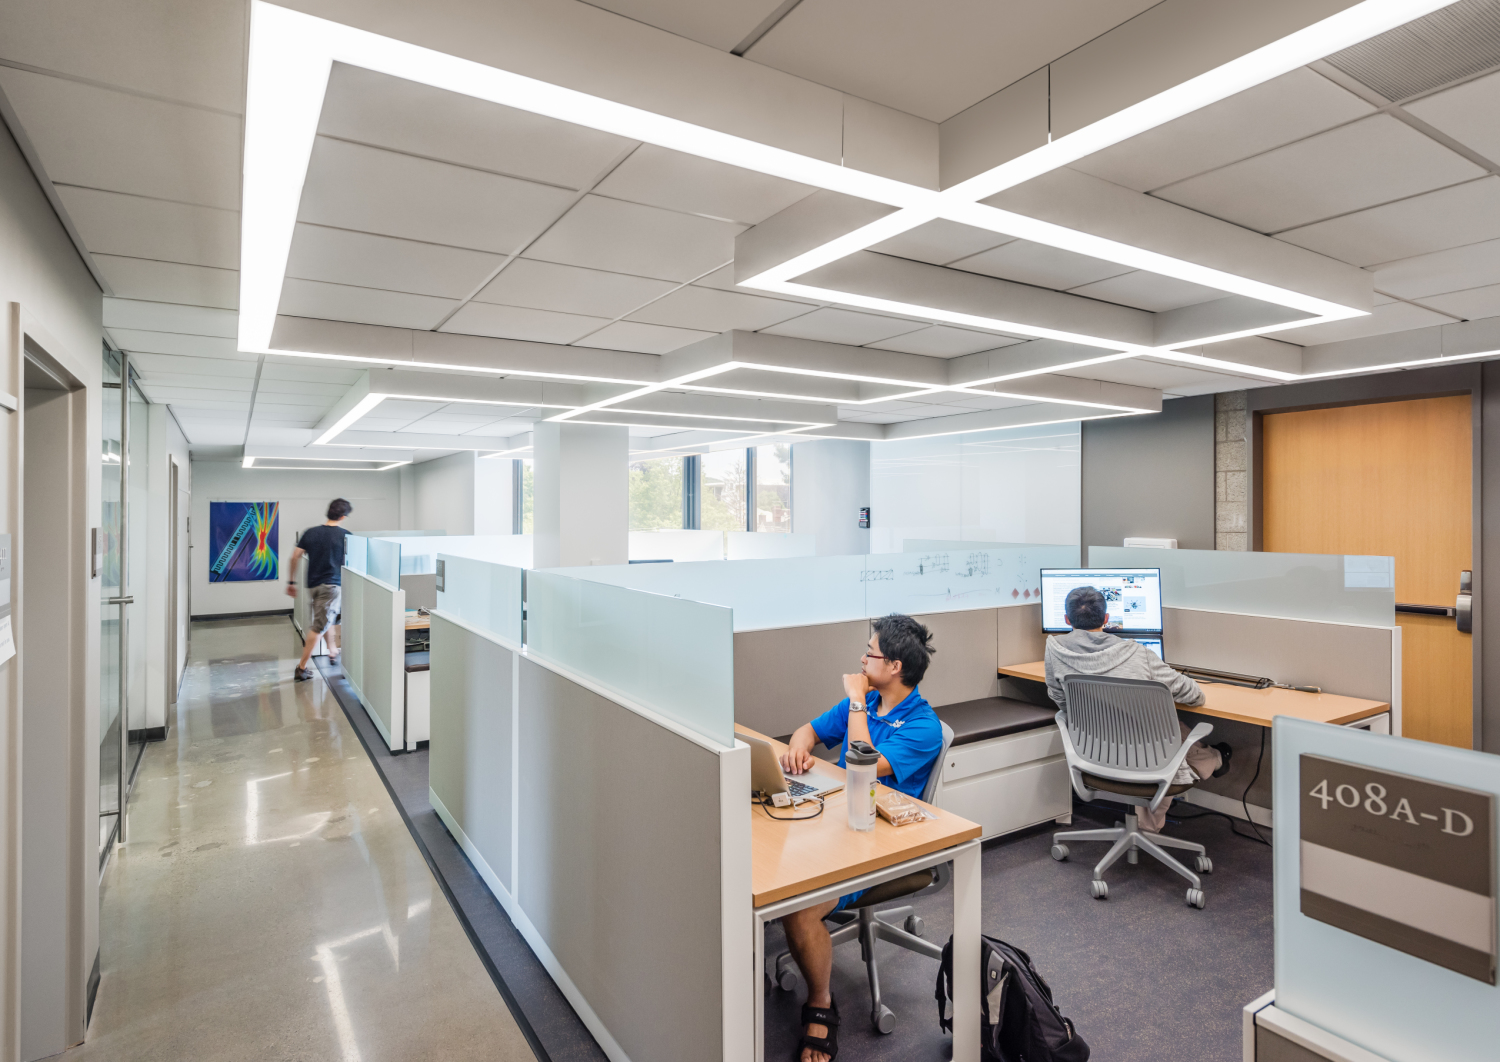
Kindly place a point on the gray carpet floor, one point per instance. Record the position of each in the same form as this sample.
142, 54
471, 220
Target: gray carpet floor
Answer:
1145, 977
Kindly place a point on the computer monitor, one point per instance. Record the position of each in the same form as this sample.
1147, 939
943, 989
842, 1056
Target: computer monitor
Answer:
1133, 596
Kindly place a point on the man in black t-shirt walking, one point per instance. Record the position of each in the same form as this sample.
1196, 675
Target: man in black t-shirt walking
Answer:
324, 547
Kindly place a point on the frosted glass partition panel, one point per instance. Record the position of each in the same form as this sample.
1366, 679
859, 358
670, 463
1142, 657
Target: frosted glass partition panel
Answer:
676, 545
673, 656
762, 545
1005, 485
399, 534
419, 556
954, 580
929, 545
1311, 586
383, 560
355, 547
483, 594
799, 591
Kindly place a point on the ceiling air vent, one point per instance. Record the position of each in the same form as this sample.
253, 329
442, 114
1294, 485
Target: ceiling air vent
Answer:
1448, 45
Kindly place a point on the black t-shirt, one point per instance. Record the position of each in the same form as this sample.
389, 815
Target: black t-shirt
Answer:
324, 546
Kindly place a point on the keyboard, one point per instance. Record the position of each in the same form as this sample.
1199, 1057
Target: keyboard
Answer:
799, 790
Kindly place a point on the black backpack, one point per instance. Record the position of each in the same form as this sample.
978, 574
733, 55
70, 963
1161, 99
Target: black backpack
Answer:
1020, 1021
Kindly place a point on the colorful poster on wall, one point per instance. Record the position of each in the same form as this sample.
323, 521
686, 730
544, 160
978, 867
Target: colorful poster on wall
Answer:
243, 541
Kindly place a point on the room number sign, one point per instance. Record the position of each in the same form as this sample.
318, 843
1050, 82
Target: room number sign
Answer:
1405, 862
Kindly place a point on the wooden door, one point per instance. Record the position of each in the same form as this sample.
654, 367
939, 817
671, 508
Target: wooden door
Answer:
1394, 479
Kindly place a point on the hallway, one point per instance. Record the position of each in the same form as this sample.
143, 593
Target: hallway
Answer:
270, 903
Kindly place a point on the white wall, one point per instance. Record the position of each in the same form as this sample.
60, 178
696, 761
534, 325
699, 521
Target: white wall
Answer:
493, 488
444, 494
1013, 485
581, 491
44, 284
304, 498
166, 443
830, 484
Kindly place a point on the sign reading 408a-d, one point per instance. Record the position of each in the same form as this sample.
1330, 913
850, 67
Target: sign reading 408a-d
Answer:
1405, 862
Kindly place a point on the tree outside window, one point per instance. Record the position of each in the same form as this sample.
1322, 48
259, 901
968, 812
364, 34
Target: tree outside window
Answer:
656, 494
724, 491
773, 488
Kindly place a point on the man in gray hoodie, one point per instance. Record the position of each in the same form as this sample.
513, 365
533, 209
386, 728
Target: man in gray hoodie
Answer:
1088, 650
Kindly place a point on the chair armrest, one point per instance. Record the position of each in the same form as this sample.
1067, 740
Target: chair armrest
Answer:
1199, 732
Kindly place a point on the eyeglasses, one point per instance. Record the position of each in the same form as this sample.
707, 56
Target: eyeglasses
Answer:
867, 655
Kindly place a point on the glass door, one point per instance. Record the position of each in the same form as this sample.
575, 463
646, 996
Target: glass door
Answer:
137, 489
107, 550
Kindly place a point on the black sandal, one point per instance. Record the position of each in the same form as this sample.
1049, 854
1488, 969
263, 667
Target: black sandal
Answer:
828, 1017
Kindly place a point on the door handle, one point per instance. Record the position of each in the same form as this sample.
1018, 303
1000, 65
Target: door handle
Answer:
1463, 609
120, 601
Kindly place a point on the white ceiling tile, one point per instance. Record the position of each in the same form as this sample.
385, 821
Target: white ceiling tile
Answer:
364, 260
1469, 113
1451, 217
967, 401
515, 322
1471, 304
717, 311
1281, 110
170, 317
1375, 160
208, 397
723, 280
97, 138
1149, 291
434, 426
832, 325
300, 391
1035, 263
936, 58
1394, 317
630, 238
141, 278
940, 242
161, 382
569, 289
241, 365
351, 186
337, 302
136, 227
1142, 372
135, 339
719, 24
417, 119
670, 179
285, 367
405, 409
941, 341
1456, 269
643, 338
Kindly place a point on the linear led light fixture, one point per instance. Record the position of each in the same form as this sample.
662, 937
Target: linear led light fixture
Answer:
1008, 427
249, 462
291, 55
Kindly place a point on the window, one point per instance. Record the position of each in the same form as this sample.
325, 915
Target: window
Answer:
723, 491
528, 495
773, 488
656, 494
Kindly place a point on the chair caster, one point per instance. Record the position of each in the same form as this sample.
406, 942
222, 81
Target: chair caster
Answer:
1195, 898
884, 1020
1059, 852
1205, 865
1099, 889
786, 976
915, 926
1132, 857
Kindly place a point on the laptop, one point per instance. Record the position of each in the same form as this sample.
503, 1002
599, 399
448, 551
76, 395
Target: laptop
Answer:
767, 777
1150, 641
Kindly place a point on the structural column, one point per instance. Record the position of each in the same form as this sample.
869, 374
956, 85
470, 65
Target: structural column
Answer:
830, 484
581, 493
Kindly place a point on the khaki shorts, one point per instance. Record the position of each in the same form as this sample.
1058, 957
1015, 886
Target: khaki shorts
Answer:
325, 606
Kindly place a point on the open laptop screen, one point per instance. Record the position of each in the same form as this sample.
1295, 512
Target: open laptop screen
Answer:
1132, 595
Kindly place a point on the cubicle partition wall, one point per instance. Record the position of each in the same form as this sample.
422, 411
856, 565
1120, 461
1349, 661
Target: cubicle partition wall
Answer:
688, 545
535, 755
373, 629
419, 557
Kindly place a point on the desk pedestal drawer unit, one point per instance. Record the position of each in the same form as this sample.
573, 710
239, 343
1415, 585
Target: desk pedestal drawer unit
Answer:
1005, 770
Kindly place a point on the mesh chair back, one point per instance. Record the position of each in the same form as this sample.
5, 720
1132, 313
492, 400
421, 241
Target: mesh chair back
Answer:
1119, 722
935, 779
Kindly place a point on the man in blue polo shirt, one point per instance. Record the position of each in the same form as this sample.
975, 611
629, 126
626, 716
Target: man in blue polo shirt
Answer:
883, 708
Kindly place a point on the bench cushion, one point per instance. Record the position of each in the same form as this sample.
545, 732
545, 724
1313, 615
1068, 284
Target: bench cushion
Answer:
418, 661
992, 717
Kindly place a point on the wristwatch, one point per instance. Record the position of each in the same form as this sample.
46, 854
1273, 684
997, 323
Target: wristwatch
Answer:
861, 708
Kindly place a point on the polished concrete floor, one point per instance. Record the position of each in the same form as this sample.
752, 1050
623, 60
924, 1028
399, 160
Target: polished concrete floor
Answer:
270, 903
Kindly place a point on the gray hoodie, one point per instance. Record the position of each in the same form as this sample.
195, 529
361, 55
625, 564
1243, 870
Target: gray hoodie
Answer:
1097, 653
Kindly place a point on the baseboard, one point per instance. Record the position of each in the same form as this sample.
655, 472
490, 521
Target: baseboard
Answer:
243, 615
150, 733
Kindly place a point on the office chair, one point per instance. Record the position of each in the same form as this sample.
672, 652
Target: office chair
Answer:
860, 921
1121, 738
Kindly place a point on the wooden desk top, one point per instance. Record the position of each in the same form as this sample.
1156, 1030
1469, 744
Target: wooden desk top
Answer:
415, 622
789, 858
1257, 707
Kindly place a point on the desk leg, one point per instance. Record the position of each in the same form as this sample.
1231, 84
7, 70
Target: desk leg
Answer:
966, 878
758, 927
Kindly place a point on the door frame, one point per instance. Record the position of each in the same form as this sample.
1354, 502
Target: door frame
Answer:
1436, 382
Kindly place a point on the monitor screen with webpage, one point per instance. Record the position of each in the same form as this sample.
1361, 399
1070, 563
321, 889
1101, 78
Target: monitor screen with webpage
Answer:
1132, 595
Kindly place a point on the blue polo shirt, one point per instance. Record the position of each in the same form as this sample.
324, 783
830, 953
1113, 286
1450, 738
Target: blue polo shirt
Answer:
909, 736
